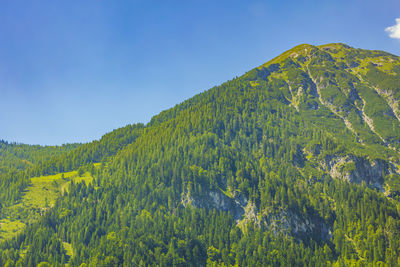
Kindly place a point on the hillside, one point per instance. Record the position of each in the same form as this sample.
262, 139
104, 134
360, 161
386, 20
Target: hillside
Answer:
16, 160
40, 195
294, 163
22, 156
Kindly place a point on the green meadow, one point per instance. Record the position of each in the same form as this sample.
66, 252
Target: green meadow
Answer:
39, 196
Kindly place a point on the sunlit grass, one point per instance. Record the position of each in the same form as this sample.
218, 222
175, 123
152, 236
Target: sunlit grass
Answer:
39, 196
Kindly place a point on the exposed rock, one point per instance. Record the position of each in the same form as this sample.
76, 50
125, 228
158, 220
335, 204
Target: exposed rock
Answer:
217, 200
250, 215
393, 103
289, 222
278, 220
358, 169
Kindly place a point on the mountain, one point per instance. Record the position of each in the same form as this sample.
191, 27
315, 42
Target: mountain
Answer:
294, 163
22, 156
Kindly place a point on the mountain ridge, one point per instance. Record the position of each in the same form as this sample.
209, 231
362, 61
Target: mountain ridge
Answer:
296, 162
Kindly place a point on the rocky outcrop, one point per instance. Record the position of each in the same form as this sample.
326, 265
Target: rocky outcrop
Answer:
288, 222
216, 199
359, 169
276, 220
249, 216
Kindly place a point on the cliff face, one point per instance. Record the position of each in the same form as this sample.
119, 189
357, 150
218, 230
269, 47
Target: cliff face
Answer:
285, 221
289, 222
359, 169
217, 200
278, 221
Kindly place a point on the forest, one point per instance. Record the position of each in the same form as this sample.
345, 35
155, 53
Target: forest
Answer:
294, 163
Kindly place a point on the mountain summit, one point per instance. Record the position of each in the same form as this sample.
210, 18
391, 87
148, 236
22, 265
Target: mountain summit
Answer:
359, 86
295, 163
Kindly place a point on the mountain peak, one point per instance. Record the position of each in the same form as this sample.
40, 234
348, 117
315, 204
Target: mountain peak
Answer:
293, 52
348, 82
306, 50
335, 45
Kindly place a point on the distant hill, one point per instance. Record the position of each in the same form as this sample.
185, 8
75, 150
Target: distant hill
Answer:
22, 156
295, 163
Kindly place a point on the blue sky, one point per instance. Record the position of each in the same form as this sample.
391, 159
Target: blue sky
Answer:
70, 71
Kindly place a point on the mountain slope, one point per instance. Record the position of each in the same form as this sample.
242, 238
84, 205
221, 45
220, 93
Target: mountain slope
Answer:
294, 163
359, 86
16, 159
93, 152
21, 156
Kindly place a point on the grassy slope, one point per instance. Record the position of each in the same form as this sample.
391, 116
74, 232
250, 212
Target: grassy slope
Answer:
344, 67
38, 197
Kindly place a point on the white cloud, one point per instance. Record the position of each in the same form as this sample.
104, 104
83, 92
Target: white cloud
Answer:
394, 31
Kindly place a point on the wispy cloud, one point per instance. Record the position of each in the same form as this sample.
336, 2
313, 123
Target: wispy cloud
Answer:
394, 31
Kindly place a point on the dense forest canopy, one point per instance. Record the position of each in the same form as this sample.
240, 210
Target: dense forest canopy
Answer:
295, 163
22, 156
